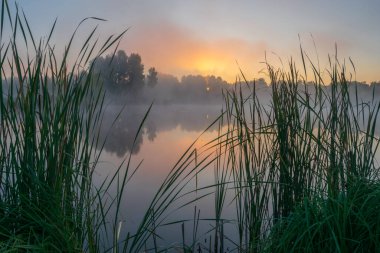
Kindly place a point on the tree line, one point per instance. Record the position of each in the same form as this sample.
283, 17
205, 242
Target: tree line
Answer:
122, 77
120, 73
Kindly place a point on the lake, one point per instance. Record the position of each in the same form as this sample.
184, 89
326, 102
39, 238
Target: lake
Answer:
167, 133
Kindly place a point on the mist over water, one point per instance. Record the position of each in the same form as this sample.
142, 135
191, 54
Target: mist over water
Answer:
171, 126
192, 108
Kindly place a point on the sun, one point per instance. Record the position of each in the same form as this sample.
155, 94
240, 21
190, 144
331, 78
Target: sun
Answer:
208, 65
205, 63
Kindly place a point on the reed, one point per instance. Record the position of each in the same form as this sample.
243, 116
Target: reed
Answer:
49, 116
303, 164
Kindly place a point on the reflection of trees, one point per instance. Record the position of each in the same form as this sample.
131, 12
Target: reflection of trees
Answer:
120, 134
120, 139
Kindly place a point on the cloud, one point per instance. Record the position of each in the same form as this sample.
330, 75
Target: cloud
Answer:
179, 51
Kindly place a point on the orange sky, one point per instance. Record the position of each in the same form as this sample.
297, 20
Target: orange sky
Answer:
180, 52
209, 37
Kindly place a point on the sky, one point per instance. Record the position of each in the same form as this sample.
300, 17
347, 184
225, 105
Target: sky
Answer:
222, 37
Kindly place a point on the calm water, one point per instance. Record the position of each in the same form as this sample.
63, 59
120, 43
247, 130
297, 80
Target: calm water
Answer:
166, 135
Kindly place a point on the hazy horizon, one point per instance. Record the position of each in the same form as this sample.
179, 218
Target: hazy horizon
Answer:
219, 38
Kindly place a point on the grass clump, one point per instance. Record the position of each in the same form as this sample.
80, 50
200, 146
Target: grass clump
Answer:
347, 223
303, 165
49, 115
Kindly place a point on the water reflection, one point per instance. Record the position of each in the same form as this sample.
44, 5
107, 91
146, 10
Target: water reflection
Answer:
120, 125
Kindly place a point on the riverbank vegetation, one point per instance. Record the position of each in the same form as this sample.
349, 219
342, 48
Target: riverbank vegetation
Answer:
49, 116
304, 168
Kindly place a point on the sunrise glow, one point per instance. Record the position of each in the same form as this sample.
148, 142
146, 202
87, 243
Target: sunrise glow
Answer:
208, 65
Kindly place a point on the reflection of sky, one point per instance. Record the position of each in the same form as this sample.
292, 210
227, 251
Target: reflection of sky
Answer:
181, 37
158, 158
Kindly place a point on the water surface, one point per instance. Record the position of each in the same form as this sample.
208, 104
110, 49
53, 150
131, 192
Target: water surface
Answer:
166, 134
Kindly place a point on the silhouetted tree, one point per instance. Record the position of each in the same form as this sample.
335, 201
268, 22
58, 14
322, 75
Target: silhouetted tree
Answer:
112, 71
120, 73
119, 67
152, 77
135, 70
